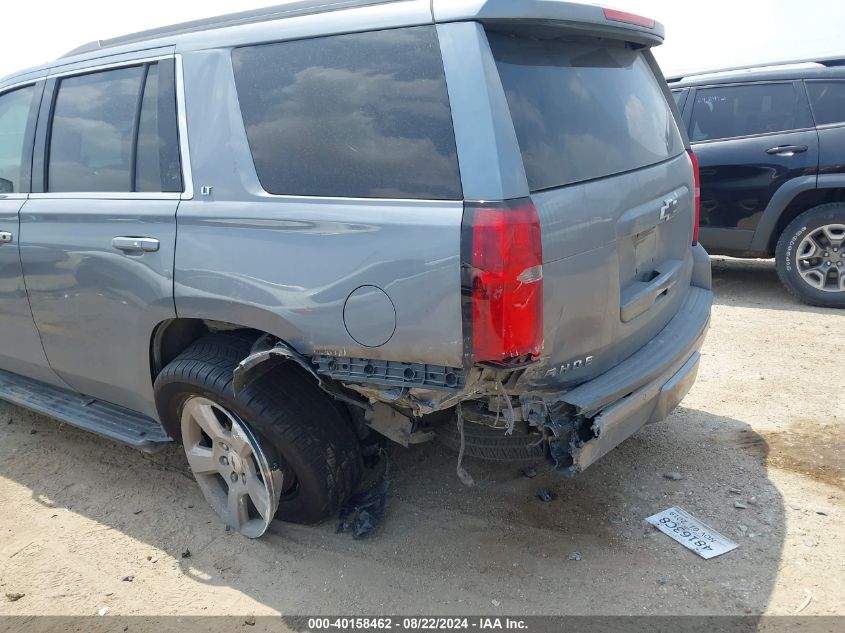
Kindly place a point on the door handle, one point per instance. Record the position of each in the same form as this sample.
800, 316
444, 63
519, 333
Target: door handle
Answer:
5, 237
136, 244
786, 150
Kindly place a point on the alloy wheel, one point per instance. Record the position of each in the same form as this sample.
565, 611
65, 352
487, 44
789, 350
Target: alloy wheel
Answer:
232, 466
821, 258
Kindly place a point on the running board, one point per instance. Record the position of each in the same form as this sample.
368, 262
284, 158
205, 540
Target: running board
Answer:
89, 414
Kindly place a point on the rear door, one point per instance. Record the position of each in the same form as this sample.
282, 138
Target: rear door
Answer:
827, 99
98, 239
612, 183
749, 139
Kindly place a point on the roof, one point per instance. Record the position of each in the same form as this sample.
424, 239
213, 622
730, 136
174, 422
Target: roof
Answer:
269, 24
280, 11
810, 68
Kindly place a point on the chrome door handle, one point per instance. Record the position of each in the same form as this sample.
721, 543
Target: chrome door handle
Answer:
786, 150
5, 237
136, 244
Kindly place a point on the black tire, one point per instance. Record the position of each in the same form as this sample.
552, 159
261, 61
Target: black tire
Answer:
320, 451
484, 442
786, 256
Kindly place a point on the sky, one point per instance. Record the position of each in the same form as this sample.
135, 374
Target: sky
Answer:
699, 34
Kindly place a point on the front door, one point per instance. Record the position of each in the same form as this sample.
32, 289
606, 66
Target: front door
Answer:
749, 139
20, 346
98, 234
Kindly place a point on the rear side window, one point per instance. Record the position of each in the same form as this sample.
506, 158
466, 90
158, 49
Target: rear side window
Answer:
14, 113
91, 141
583, 110
115, 131
363, 115
157, 165
828, 101
729, 111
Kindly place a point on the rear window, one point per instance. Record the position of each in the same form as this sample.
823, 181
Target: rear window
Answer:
583, 110
364, 115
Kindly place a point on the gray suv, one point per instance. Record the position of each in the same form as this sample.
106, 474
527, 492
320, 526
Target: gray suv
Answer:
269, 235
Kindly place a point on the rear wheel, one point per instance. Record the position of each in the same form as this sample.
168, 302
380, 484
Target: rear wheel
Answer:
811, 256
238, 474
280, 448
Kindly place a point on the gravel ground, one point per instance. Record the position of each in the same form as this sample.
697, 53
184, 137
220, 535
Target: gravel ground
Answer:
88, 524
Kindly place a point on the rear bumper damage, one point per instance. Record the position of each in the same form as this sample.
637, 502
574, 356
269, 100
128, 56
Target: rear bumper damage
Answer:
587, 422
580, 425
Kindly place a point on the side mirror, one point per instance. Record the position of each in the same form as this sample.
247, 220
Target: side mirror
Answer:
6, 186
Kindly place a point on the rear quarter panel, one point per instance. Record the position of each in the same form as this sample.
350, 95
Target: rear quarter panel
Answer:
286, 264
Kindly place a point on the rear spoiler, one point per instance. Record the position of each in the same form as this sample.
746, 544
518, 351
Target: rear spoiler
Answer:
584, 17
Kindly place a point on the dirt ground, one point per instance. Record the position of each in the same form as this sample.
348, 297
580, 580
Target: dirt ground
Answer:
766, 417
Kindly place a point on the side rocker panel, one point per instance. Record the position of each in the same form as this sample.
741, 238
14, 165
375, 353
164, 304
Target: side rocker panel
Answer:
102, 418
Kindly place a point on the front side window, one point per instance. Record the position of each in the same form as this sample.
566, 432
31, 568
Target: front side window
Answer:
731, 111
364, 115
115, 131
14, 113
828, 101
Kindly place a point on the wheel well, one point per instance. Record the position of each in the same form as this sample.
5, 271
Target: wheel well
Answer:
172, 337
801, 203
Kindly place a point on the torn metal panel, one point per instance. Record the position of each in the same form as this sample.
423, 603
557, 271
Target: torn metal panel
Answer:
429, 390
390, 423
266, 352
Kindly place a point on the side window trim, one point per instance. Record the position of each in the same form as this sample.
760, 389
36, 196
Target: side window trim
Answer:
747, 136
39, 158
43, 127
686, 112
184, 148
682, 100
136, 129
804, 119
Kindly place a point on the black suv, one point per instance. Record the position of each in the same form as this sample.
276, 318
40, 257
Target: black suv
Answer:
770, 143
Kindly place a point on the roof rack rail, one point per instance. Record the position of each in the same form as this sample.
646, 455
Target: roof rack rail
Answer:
829, 61
290, 9
85, 48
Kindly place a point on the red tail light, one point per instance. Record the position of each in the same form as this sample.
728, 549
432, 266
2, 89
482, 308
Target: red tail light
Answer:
629, 18
503, 280
697, 185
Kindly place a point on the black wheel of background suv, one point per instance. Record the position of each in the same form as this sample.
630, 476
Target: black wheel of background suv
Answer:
280, 448
810, 256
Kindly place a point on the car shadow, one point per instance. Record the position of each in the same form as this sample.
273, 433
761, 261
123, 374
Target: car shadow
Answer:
754, 283
442, 548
